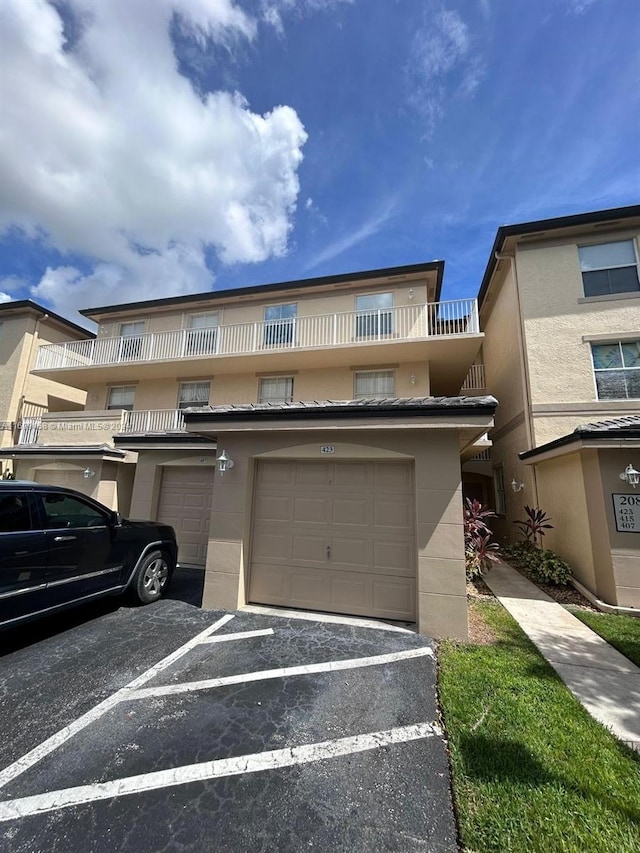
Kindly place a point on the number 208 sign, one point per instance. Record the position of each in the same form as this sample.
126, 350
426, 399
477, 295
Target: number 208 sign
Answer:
627, 510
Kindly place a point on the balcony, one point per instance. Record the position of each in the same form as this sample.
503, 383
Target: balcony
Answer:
152, 421
407, 333
475, 383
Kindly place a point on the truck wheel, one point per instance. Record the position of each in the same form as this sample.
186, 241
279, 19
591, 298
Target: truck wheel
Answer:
151, 578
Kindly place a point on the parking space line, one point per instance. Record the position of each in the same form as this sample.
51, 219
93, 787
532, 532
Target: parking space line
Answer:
207, 770
239, 635
262, 675
43, 749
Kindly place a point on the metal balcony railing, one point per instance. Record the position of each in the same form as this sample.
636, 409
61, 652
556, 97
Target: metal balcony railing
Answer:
409, 322
152, 421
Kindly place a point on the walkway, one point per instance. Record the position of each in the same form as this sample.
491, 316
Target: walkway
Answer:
603, 680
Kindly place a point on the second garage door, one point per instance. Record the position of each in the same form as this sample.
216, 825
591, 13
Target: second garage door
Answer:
335, 536
185, 504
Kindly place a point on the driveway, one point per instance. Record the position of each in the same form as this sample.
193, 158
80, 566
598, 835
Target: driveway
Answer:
172, 728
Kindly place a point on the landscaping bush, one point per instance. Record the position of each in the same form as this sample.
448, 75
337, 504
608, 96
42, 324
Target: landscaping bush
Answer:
479, 550
542, 566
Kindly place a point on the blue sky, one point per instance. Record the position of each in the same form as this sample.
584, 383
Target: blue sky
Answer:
161, 147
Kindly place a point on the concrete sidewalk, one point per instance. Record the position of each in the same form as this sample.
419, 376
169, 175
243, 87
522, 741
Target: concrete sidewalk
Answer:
603, 680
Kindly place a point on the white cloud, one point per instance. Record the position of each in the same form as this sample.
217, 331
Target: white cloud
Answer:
441, 64
113, 155
580, 6
4, 297
273, 11
367, 229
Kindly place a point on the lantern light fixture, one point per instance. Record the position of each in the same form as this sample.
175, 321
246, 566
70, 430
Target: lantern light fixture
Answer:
225, 463
630, 475
516, 486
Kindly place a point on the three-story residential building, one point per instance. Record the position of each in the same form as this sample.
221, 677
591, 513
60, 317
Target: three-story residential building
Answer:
24, 397
560, 308
337, 400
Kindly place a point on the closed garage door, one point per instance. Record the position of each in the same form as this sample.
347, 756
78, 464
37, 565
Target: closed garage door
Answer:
335, 536
68, 479
185, 504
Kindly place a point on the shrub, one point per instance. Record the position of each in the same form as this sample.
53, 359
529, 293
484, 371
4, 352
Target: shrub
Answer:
535, 524
542, 566
479, 550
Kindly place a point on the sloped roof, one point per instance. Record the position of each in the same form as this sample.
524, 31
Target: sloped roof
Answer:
624, 423
611, 429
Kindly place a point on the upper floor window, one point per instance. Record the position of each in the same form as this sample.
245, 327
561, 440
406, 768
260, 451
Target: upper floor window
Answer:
374, 384
202, 334
617, 370
279, 324
374, 315
121, 397
193, 394
131, 341
275, 389
609, 268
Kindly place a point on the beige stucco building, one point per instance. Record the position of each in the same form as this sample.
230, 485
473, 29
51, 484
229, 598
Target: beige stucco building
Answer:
365, 492
560, 308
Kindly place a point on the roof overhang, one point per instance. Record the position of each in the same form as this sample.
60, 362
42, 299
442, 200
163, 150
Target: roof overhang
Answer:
577, 441
386, 275
164, 442
78, 451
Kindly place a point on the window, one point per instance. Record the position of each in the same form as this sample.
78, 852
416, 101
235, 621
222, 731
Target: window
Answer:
131, 341
202, 334
14, 514
60, 510
193, 394
374, 384
498, 487
121, 397
276, 389
279, 325
374, 315
617, 370
609, 268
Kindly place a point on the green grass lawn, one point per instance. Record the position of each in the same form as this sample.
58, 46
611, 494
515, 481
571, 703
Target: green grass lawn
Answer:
623, 632
532, 770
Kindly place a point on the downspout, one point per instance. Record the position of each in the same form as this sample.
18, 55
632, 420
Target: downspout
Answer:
524, 367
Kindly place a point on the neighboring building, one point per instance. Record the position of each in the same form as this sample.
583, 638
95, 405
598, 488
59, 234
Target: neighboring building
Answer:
24, 397
350, 507
560, 308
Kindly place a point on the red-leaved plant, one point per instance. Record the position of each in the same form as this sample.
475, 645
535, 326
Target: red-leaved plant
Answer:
534, 526
479, 550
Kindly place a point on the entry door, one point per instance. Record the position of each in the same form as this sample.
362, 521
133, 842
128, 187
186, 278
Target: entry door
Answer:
335, 536
22, 558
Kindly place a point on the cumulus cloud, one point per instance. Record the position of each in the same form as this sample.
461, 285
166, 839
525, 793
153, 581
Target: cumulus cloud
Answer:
441, 63
111, 154
4, 297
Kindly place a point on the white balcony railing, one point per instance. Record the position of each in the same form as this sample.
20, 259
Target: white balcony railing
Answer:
152, 421
29, 429
409, 322
475, 380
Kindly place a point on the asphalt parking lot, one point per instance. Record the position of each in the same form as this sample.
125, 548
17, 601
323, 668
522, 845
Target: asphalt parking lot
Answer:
169, 728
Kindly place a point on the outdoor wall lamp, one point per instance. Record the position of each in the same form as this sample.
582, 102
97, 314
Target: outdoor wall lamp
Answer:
630, 475
412, 379
411, 293
87, 473
224, 462
516, 486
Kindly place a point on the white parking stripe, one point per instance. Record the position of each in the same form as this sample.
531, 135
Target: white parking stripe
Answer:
239, 635
261, 675
56, 740
254, 763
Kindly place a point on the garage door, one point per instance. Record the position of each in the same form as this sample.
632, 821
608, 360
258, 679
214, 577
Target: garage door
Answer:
185, 504
335, 536
68, 479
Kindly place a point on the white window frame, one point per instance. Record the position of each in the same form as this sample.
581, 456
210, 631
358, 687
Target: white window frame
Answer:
499, 490
597, 370
111, 389
185, 404
610, 267
267, 398
131, 343
280, 332
202, 340
379, 396
374, 317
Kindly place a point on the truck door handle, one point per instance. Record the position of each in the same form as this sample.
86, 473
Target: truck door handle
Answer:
63, 538
328, 552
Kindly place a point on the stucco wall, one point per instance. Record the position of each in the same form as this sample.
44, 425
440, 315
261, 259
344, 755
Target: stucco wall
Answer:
442, 609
